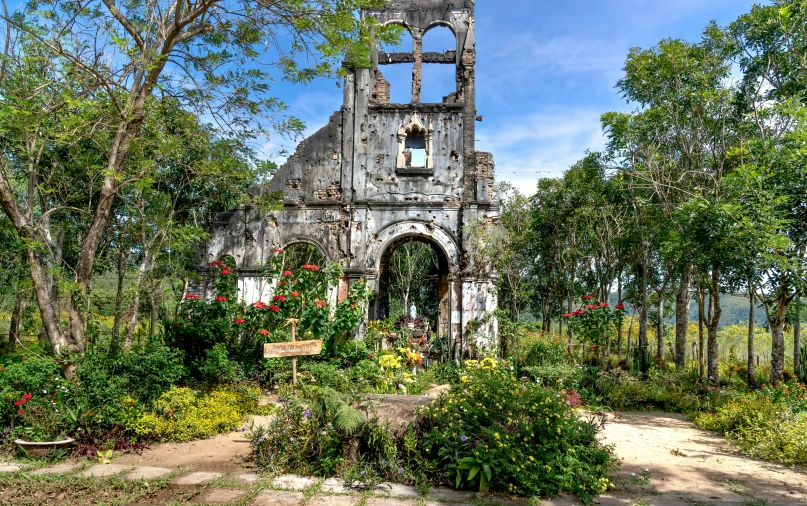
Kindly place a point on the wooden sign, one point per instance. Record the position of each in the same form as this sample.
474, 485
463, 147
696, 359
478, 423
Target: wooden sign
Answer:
295, 349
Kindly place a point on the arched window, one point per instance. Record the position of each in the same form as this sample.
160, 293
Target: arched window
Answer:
415, 145
299, 254
439, 80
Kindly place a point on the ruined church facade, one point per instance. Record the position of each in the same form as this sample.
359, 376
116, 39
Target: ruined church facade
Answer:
380, 174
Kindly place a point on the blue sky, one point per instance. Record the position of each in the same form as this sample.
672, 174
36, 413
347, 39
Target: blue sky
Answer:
545, 73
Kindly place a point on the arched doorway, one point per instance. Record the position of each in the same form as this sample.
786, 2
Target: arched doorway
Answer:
414, 270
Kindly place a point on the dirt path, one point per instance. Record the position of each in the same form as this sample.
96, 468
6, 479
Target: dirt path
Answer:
691, 466
687, 466
225, 453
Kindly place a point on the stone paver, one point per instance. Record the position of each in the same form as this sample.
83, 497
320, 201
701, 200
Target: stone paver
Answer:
294, 482
193, 480
220, 496
383, 501
9, 467
337, 486
278, 498
248, 478
61, 468
148, 473
450, 495
335, 500
397, 490
102, 470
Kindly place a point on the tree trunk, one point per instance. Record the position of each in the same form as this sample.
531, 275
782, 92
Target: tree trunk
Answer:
643, 341
797, 336
751, 365
14, 324
118, 300
153, 321
619, 329
701, 321
712, 324
777, 324
682, 300
141, 273
660, 329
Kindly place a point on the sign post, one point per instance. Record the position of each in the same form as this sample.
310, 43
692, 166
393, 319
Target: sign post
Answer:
292, 349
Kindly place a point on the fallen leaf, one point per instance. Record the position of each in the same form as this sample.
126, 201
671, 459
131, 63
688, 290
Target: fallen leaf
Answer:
60, 497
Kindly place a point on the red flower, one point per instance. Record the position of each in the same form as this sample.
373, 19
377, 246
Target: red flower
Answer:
177, 325
274, 308
239, 321
226, 271
263, 332
221, 298
588, 297
279, 298
369, 355
27, 396
21, 412
568, 315
192, 296
312, 268
295, 294
579, 312
288, 274
217, 263
320, 303
259, 305
620, 306
590, 306
604, 304
20, 402
593, 348
278, 250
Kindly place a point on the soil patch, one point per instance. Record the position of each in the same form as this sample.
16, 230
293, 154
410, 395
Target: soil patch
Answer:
691, 466
224, 453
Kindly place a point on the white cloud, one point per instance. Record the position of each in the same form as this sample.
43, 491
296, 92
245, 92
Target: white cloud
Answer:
541, 145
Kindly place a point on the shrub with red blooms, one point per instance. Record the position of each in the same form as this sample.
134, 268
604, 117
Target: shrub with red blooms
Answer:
242, 329
595, 324
573, 398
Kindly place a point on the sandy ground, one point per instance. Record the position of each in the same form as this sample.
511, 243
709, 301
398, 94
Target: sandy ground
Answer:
225, 453
691, 466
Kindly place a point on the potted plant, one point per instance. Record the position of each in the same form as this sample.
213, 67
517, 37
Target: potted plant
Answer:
38, 426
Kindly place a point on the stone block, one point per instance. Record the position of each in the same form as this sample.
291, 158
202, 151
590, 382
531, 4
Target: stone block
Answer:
9, 467
278, 498
294, 482
396, 490
335, 500
102, 470
248, 478
193, 480
61, 468
148, 473
220, 496
385, 501
337, 486
450, 495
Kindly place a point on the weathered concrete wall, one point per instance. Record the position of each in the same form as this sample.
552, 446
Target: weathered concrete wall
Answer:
353, 190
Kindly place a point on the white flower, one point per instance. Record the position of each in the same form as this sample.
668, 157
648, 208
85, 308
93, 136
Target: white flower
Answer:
646, 470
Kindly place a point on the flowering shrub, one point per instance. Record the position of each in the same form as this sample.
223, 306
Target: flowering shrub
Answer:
596, 322
493, 431
769, 424
242, 329
182, 414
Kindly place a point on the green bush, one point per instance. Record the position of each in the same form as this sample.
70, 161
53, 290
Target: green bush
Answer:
768, 424
543, 350
182, 414
557, 376
496, 432
320, 434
